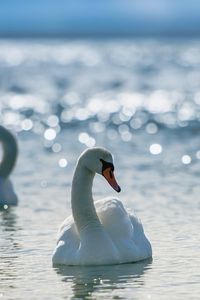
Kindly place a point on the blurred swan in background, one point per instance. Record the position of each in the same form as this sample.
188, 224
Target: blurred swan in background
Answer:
10, 150
100, 234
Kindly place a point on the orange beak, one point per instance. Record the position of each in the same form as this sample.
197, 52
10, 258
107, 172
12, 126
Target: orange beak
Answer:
109, 175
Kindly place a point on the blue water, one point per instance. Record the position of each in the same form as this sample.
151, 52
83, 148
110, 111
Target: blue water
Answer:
138, 98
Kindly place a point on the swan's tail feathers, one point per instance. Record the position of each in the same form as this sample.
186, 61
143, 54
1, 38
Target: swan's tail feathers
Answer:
10, 151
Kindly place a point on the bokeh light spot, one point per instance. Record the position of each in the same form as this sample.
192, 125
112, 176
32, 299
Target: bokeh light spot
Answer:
56, 147
91, 142
62, 162
52, 121
151, 128
186, 159
198, 154
83, 137
27, 124
50, 134
155, 149
126, 136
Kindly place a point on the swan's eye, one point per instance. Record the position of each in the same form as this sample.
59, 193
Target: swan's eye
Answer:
106, 165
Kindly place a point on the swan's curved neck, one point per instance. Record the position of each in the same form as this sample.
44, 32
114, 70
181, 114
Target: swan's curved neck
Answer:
83, 208
9, 152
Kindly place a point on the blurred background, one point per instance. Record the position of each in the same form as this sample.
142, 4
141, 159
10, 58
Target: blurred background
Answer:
99, 18
120, 74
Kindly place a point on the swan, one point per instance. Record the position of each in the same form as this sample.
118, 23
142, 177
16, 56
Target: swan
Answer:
100, 234
7, 193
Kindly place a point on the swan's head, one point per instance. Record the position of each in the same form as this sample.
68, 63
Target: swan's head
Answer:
100, 160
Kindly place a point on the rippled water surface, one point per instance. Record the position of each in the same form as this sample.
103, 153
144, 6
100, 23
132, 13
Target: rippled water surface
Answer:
141, 100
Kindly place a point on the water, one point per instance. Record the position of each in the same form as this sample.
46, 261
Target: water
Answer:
141, 100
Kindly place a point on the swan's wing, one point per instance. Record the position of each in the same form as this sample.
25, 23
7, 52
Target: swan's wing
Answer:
139, 238
114, 218
125, 229
68, 231
67, 244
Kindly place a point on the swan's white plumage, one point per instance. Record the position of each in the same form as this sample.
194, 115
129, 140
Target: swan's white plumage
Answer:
104, 233
125, 231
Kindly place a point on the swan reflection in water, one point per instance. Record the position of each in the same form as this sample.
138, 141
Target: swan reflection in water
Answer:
85, 281
9, 248
8, 219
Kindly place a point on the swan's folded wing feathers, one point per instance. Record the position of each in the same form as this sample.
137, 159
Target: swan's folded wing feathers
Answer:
125, 229
114, 218
67, 244
139, 238
68, 231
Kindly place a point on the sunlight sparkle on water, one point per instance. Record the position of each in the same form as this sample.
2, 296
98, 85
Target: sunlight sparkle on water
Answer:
124, 132
198, 154
91, 142
62, 162
116, 119
131, 100
151, 128
84, 138
186, 159
123, 128
17, 102
50, 134
155, 149
56, 147
136, 123
66, 116
70, 98
126, 136
95, 105
27, 124
103, 116
82, 114
124, 117
11, 118
52, 121
186, 112
159, 102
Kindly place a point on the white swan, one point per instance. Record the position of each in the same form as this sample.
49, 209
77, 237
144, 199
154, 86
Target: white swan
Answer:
107, 234
7, 194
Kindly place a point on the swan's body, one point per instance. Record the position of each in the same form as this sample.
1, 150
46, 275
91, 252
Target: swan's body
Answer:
102, 234
7, 193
